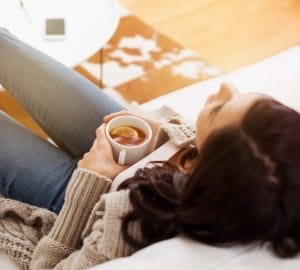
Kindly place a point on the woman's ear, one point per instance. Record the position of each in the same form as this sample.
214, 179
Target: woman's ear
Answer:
188, 166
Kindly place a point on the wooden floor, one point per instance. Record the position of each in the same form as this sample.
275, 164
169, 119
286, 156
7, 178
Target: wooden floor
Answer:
227, 33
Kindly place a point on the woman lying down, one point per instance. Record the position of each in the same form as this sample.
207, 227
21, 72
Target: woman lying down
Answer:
232, 179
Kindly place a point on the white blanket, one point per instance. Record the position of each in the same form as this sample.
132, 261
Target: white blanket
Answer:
278, 76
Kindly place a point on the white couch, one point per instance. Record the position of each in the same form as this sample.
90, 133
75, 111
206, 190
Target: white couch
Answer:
278, 76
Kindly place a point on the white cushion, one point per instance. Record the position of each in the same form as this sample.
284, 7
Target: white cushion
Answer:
180, 253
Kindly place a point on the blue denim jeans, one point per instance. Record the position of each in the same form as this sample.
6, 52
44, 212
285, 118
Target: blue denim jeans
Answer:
66, 105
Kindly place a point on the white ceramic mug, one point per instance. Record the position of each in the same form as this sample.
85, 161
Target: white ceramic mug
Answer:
125, 154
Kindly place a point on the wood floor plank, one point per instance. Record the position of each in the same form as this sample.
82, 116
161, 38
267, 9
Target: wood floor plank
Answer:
229, 33
10, 106
155, 11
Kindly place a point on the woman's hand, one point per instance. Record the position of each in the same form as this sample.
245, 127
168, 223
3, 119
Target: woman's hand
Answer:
100, 157
153, 123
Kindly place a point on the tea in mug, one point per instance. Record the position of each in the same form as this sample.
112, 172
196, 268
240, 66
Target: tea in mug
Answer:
128, 135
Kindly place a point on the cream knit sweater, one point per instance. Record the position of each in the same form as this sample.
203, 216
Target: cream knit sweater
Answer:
86, 215
87, 230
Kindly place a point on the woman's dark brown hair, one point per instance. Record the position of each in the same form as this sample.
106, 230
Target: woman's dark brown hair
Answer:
245, 187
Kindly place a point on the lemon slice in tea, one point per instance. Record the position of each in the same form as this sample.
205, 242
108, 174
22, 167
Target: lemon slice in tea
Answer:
124, 131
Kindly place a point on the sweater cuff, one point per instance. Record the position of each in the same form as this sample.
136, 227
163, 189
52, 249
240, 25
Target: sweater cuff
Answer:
162, 137
83, 191
180, 134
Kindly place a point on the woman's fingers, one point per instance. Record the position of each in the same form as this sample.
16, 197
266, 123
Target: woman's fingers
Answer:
100, 157
102, 140
100, 133
94, 145
113, 115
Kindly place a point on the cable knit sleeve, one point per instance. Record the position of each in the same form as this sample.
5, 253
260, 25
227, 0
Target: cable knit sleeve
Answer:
83, 192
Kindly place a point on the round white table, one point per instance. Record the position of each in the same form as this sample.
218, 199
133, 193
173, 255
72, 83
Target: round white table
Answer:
89, 25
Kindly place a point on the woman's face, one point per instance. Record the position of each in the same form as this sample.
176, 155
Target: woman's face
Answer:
227, 107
